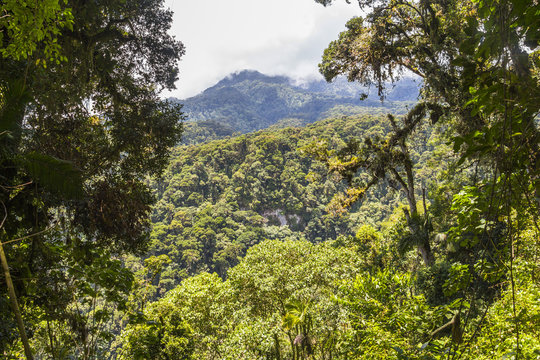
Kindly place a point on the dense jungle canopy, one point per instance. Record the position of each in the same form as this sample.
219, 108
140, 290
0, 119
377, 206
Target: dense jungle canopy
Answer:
402, 230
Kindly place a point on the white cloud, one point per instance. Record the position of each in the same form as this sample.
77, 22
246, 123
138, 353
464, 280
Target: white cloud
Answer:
272, 36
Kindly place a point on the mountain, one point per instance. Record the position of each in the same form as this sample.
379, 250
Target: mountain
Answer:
247, 101
405, 89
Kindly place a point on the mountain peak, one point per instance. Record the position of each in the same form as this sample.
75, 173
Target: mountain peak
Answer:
251, 75
248, 100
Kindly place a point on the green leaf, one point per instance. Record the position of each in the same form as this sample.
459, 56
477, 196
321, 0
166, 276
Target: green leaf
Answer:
509, 355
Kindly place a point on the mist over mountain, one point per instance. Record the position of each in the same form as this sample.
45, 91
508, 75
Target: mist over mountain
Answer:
248, 100
405, 89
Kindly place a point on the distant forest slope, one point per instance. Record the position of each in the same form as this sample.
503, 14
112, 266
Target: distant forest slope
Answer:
218, 199
248, 101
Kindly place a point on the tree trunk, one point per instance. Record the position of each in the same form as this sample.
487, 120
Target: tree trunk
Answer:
426, 253
423, 247
15, 305
278, 351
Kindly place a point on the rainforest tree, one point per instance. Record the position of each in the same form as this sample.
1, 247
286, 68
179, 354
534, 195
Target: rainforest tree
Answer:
81, 126
478, 61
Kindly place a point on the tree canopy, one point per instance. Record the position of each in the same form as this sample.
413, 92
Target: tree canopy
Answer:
82, 125
408, 236
479, 64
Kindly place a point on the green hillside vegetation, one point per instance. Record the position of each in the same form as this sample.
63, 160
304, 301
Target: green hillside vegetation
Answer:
196, 132
343, 230
295, 300
218, 199
226, 279
248, 101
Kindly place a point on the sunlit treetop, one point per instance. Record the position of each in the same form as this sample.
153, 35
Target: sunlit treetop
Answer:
26, 24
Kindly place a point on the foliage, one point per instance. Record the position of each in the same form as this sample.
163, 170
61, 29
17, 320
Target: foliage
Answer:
478, 61
296, 300
79, 296
218, 199
164, 335
81, 125
277, 303
27, 25
248, 101
388, 319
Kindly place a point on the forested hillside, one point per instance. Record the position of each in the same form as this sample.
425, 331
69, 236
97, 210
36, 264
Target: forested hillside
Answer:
449, 270
249, 251
248, 101
294, 222
217, 200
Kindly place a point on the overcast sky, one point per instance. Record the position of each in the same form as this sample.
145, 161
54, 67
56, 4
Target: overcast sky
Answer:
285, 37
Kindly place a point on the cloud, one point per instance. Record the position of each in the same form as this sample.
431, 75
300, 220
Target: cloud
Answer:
272, 36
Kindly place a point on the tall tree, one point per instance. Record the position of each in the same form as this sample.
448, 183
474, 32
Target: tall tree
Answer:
477, 60
88, 78
479, 63
382, 159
